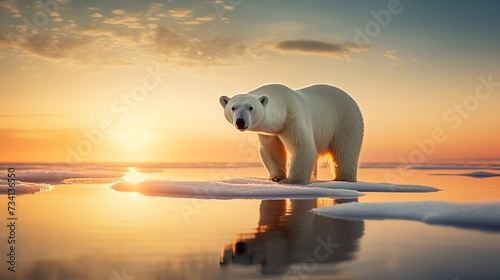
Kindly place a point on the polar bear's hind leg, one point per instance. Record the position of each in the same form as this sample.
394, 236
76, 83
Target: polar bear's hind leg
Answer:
345, 152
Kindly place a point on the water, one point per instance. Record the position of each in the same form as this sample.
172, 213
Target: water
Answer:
90, 231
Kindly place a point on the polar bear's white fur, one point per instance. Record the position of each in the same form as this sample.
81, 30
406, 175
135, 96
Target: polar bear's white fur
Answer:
306, 123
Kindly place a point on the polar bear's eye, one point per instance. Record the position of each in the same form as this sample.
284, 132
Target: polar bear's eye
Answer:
251, 108
232, 108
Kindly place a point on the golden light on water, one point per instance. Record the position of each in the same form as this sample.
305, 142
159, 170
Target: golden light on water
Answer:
133, 176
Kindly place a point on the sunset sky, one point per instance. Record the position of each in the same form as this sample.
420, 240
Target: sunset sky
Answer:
139, 81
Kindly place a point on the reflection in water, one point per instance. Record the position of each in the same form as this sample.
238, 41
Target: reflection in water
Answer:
290, 239
133, 176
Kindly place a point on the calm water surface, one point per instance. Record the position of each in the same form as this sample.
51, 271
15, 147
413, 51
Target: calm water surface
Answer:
89, 231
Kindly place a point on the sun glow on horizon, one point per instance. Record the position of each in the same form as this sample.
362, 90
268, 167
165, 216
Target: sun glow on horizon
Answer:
134, 134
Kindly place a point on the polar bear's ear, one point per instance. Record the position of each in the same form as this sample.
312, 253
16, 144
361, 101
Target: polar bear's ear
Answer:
264, 100
223, 100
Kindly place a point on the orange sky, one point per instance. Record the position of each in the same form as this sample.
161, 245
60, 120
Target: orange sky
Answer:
140, 82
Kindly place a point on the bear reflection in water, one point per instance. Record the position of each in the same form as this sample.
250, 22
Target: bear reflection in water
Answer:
290, 239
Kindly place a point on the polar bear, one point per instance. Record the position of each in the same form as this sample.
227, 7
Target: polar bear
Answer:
306, 123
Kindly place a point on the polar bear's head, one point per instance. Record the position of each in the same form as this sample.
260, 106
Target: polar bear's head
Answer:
245, 111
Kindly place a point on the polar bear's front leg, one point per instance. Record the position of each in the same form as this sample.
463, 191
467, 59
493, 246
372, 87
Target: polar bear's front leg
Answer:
302, 162
301, 167
273, 156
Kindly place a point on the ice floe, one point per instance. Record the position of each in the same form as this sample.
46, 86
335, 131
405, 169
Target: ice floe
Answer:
244, 189
474, 215
24, 187
475, 174
356, 186
252, 188
41, 176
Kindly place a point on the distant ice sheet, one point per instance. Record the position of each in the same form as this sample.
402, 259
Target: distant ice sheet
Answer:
356, 186
488, 166
475, 174
52, 173
24, 187
494, 165
242, 189
34, 178
42, 176
477, 215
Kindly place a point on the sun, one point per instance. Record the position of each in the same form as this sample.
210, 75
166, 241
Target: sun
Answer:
135, 133
133, 176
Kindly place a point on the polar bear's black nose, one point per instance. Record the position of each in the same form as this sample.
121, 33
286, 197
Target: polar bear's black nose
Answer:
240, 123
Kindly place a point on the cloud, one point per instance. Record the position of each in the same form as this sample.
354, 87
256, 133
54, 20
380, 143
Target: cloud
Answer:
155, 7
11, 7
56, 17
110, 31
199, 20
391, 55
96, 15
170, 42
396, 60
207, 18
179, 49
340, 50
4, 41
192, 22
225, 6
119, 39
110, 45
118, 12
52, 45
79, 46
180, 13
125, 20
98, 30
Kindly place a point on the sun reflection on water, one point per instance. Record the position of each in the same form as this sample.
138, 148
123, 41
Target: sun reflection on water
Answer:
133, 176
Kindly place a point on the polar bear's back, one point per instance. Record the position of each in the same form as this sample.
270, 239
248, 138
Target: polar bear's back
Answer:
327, 93
330, 100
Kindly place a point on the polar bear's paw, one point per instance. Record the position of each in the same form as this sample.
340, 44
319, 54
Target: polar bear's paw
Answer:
276, 179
